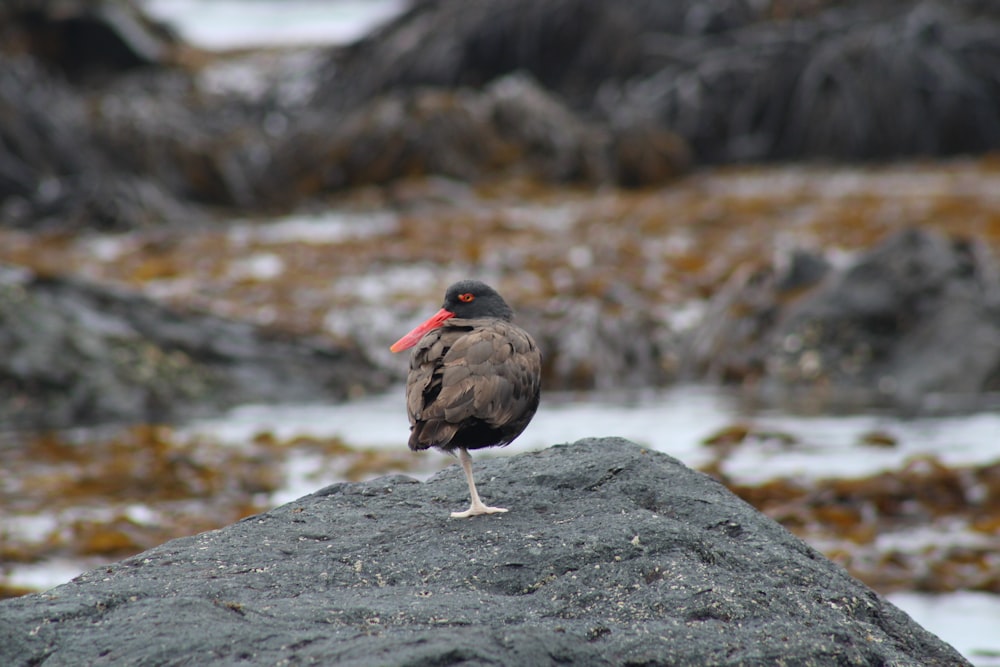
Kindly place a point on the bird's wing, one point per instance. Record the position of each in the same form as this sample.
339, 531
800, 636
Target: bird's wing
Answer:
426, 368
485, 373
490, 374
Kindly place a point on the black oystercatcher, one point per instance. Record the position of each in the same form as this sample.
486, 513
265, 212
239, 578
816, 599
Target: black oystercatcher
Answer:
474, 378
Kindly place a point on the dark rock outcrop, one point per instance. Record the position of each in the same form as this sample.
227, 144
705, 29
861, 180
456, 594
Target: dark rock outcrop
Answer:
610, 555
914, 323
512, 126
106, 124
735, 80
73, 353
52, 171
103, 128
84, 39
585, 347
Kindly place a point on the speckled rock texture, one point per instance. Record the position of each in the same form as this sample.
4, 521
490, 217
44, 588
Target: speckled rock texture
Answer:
610, 555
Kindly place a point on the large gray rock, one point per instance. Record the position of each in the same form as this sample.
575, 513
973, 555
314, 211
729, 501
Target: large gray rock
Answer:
74, 353
735, 79
611, 554
87, 39
913, 323
512, 126
101, 126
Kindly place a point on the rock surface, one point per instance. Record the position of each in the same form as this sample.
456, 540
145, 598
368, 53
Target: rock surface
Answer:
84, 39
104, 126
912, 323
512, 126
110, 123
610, 554
735, 80
76, 353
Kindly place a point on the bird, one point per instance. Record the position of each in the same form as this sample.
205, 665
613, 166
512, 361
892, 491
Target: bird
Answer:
474, 379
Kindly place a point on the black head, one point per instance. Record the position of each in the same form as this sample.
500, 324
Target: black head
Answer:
472, 299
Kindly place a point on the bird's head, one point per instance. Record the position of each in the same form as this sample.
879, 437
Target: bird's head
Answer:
472, 299
466, 299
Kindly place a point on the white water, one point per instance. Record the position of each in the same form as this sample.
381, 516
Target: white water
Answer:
673, 421
229, 24
968, 621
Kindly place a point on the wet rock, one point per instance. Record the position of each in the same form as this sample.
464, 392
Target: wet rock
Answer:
104, 129
140, 150
72, 353
203, 148
914, 322
645, 153
731, 342
43, 129
866, 82
733, 80
109, 126
588, 344
576, 49
512, 127
85, 39
611, 554
571, 47
59, 169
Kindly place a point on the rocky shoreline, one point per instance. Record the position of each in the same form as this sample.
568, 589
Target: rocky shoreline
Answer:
631, 96
611, 554
799, 203
79, 354
798, 333
88, 157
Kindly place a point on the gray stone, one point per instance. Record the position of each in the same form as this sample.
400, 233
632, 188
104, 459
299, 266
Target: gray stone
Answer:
734, 79
610, 555
74, 353
912, 323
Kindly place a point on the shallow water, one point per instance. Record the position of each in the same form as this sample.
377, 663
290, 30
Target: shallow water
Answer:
229, 24
674, 421
966, 620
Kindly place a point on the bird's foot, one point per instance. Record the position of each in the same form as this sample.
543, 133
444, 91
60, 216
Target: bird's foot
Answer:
476, 510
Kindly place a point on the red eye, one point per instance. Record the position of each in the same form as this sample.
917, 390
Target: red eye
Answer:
467, 297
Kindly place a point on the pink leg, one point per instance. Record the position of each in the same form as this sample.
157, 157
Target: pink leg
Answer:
477, 507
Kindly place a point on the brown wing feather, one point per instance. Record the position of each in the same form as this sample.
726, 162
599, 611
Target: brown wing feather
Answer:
472, 374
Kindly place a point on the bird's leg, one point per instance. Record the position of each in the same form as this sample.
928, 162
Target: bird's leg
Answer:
477, 507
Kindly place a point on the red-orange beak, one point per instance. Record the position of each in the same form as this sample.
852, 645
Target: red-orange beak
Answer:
412, 338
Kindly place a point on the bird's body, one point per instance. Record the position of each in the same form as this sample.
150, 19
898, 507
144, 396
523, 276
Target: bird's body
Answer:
472, 384
474, 378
